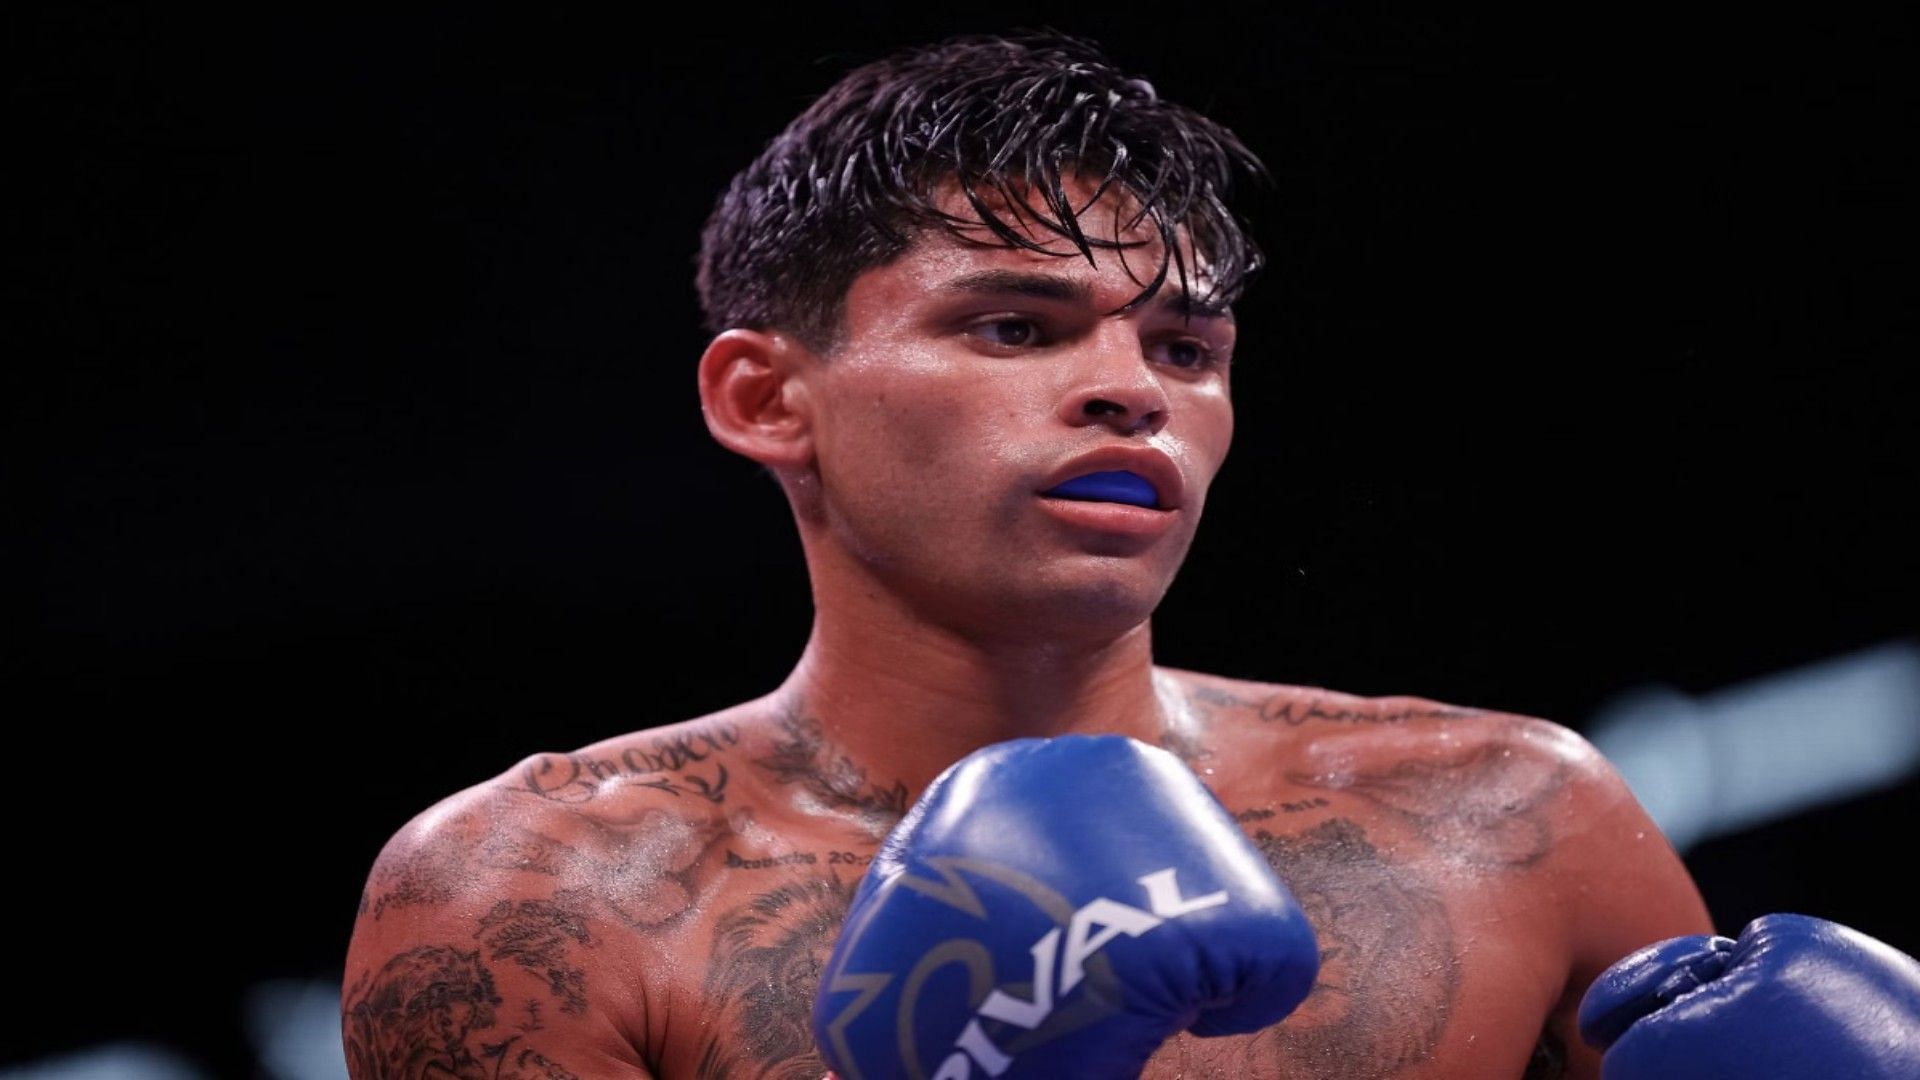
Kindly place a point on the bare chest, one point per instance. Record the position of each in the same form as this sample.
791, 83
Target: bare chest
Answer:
1432, 965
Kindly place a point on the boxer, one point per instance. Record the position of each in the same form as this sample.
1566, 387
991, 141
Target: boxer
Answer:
973, 311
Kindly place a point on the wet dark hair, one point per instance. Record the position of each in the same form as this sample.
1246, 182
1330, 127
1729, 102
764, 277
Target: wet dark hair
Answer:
852, 181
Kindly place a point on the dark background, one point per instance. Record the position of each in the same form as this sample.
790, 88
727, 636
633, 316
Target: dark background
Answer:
362, 454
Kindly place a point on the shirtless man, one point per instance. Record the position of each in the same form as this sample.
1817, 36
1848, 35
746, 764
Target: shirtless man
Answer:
919, 364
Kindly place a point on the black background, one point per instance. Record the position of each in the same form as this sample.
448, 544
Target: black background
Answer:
362, 454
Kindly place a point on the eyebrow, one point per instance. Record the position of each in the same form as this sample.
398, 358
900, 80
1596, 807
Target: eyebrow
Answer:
1049, 287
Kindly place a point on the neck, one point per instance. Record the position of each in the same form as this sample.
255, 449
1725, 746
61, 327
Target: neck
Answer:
904, 698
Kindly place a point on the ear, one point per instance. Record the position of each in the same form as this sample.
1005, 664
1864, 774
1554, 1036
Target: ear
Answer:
754, 397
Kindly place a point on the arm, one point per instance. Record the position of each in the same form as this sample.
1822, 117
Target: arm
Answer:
472, 957
1622, 884
1794, 997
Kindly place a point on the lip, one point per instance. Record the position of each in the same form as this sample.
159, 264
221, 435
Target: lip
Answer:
1121, 519
1155, 467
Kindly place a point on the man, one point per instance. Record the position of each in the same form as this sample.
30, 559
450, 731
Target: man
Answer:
972, 310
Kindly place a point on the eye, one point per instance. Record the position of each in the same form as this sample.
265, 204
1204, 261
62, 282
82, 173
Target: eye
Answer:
1191, 354
1007, 331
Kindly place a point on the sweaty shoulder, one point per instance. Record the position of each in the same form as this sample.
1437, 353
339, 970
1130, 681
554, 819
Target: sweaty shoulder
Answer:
507, 926
1401, 822
1335, 729
1482, 785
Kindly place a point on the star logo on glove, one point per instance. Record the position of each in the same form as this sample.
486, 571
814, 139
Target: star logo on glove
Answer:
1065, 958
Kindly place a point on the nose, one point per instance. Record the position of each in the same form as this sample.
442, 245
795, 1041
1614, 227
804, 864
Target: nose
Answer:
1113, 384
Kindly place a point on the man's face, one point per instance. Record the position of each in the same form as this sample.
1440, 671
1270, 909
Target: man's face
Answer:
973, 378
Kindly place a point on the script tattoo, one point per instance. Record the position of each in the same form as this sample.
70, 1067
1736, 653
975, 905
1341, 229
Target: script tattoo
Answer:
1389, 972
1485, 808
765, 970
663, 763
803, 757
770, 862
1287, 707
427, 1014
535, 934
1297, 806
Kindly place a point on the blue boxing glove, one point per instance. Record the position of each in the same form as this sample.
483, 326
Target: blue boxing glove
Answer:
1796, 998
1058, 908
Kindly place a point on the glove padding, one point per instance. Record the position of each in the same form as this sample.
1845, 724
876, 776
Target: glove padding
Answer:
1058, 908
1795, 998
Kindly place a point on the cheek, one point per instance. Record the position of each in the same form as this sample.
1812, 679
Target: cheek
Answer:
1223, 436
919, 414
910, 462
891, 438
1211, 434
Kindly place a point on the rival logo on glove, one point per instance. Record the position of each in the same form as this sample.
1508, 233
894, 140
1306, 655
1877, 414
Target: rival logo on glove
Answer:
1092, 926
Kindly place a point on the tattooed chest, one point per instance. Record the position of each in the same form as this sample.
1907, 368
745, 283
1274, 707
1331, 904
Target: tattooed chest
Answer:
1390, 974
762, 971
1392, 965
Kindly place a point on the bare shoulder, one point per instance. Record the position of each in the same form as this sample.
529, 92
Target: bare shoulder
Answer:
513, 925
1493, 787
478, 947
1333, 722
1402, 821
1491, 784
598, 821
682, 761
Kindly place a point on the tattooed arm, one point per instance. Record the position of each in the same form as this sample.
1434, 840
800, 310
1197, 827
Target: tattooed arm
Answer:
480, 951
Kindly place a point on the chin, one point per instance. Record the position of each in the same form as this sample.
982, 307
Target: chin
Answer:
1094, 609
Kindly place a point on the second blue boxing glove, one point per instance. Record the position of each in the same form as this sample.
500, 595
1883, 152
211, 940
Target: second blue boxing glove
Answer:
1795, 998
1060, 908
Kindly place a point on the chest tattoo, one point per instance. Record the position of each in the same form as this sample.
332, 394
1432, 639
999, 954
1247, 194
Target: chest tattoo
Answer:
1388, 967
761, 980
